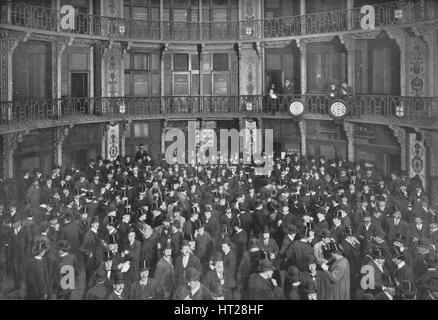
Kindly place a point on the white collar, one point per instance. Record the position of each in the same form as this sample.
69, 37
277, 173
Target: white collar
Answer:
196, 289
401, 265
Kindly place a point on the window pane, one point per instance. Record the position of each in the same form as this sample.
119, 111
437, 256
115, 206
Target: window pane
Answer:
140, 13
180, 15
181, 62
141, 130
207, 83
180, 3
181, 84
127, 62
141, 85
156, 84
127, 84
140, 62
195, 62
155, 62
195, 84
220, 62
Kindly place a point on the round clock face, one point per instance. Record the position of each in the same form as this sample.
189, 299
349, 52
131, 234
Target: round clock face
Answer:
296, 108
338, 109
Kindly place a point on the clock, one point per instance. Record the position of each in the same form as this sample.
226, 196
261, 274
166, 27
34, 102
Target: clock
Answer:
296, 108
338, 109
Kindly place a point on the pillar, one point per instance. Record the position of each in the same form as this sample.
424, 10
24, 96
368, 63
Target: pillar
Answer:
104, 139
10, 144
302, 126
350, 6
303, 64
60, 133
8, 42
163, 134
349, 44
349, 131
302, 14
58, 47
400, 135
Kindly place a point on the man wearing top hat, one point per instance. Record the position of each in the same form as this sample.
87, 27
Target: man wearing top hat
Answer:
261, 285
36, 275
351, 246
388, 288
196, 290
204, 244
396, 225
297, 252
403, 272
338, 274
146, 288
71, 232
220, 277
164, 272
90, 249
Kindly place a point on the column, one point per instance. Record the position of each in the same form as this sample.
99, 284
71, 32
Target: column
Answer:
400, 134
60, 133
349, 130
350, 50
91, 55
303, 64
302, 14
124, 126
350, 6
163, 134
302, 125
10, 144
104, 139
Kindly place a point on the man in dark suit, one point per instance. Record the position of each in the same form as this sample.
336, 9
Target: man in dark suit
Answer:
220, 277
184, 261
164, 272
146, 288
197, 290
37, 278
261, 285
403, 272
240, 240
118, 292
396, 225
89, 249
71, 232
101, 290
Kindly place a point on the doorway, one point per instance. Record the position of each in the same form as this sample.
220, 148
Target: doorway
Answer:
79, 89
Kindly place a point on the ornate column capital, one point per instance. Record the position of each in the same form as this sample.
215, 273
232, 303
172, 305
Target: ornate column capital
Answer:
399, 35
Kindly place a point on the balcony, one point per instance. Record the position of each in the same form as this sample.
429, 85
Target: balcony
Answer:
47, 20
44, 113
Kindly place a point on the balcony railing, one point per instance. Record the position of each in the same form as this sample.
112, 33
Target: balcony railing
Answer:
386, 15
389, 108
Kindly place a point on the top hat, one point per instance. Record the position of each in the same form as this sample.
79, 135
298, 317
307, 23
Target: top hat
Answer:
377, 253
119, 278
64, 245
334, 247
349, 232
408, 289
144, 265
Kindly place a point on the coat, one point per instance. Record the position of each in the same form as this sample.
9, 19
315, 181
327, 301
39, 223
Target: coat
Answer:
37, 280
211, 281
263, 289
100, 291
164, 275
339, 276
150, 291
180, 270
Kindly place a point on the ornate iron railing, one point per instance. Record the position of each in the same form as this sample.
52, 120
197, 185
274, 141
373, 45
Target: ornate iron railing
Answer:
386, 14
360, 106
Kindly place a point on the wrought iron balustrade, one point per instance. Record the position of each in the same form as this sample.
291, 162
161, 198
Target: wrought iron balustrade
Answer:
386, 14
391, 108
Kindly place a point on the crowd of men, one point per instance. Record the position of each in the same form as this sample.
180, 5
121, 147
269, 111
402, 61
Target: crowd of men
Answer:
143, 229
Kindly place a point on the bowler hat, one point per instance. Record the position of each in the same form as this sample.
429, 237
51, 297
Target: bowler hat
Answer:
291, 229
192, 274
265, 265
293, 274
100, 275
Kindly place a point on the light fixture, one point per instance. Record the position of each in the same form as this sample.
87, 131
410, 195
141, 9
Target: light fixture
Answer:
122, 108
249, 31
122, 28
398, 13
248, 105
399, 111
